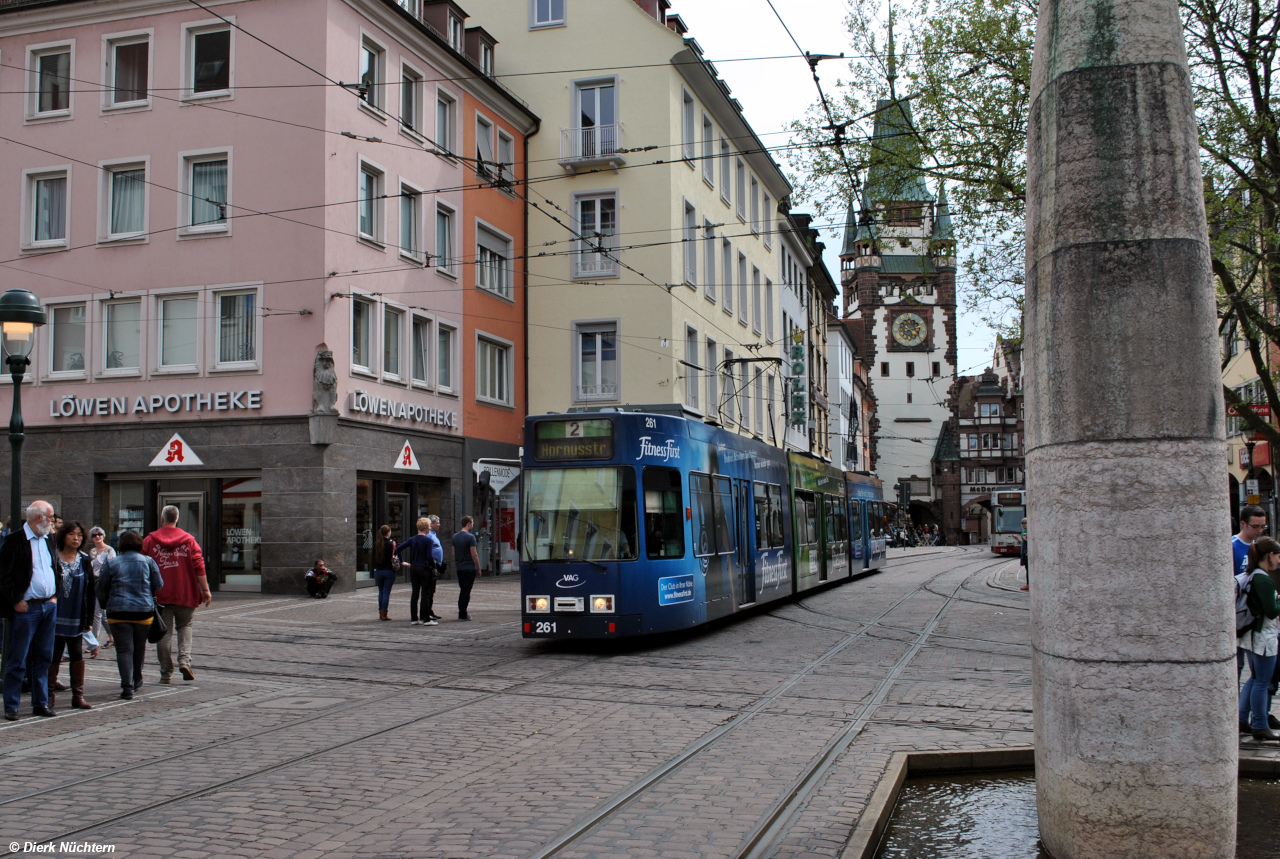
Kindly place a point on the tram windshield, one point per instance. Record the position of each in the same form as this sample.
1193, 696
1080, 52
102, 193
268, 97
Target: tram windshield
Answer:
1008, 520
580, 514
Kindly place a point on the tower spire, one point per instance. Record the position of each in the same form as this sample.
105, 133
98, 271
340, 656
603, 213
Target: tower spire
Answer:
893, 63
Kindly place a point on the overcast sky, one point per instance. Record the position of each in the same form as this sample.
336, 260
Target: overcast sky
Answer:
773, 92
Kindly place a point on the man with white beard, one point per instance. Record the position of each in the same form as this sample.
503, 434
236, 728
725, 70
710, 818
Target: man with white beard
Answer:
28, 600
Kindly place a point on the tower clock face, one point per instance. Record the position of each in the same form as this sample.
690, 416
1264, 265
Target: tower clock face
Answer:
909, 330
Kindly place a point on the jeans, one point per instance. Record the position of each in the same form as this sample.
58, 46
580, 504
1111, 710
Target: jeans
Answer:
1255, 699
131, 652
384, 579
30, 634
423, 581
466, 578
178, 616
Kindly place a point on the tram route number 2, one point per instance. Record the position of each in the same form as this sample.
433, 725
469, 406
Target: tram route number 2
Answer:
544, 627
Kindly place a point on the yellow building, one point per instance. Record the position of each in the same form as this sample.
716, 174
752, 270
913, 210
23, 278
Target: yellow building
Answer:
1247, 460
655, 261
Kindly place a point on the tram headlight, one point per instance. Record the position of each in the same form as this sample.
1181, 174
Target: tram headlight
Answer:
537, 605
602, 604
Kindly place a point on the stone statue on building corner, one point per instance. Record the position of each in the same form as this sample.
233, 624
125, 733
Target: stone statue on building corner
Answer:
324, 390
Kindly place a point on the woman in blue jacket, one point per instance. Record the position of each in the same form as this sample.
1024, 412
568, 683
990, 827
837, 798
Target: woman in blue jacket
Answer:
126, 590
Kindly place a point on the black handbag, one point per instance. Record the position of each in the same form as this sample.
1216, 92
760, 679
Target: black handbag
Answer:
158, 629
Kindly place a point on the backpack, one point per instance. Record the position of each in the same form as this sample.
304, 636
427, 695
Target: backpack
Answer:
1245, 616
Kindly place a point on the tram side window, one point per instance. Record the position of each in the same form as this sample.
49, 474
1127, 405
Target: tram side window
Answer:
764, 515
806, 519
663, 513
713, 533
855, 519
726, 539
837, 533
775, 522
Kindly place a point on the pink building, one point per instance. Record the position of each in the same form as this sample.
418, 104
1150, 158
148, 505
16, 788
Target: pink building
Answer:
246, 225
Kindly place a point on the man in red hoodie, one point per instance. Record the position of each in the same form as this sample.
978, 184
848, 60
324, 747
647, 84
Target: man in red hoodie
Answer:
181, 564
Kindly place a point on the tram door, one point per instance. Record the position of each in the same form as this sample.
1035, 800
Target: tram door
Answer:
746, 557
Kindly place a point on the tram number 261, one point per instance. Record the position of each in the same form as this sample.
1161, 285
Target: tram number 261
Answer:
544, 627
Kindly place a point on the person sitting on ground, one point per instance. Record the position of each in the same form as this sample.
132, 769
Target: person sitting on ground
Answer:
320, 580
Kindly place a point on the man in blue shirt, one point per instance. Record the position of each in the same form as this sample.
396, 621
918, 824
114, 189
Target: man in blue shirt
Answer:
29, 601
467, 563
1253, 524
424, 555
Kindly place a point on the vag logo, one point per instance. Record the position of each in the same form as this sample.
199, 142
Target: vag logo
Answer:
570, 580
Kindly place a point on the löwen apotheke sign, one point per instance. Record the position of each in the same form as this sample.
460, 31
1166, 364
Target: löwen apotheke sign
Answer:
68, 406
363, 403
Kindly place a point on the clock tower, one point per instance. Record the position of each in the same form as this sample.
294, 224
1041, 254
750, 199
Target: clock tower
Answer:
897, 274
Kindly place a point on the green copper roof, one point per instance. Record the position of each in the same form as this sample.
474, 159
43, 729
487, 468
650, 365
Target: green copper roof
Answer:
906, 264
946, 450
942, 231
895, 173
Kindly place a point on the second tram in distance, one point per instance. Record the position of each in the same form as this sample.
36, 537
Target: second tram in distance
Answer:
637, 523
1007, 512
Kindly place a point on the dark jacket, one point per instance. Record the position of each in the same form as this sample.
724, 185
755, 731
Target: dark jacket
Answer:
88, 602
129, 583
15, 569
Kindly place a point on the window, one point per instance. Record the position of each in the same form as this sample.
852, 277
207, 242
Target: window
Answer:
691, 367
727, 386
911, 369
178, 332
455, 33
742, 189
597, 362
493, 262
206, 180
773, 399
410, 222
410, 99
493, 371
884, 368
712, 503
422, 344
123, 341
128, 68
506, 159
444, 239
444, 358
237, 328
742, 288
744, 397
362, 334
766, 220
391, 322
663, 513
411, 6
690, 245
68, 344
597, 225
768, 309
712, 375
597, 119
709, 255
768, 510
486, 58
126, 201
485, 160
908, 399
372, 75
726, 258
757, 316
50, 81
937, 370
444, 122
755, 205
547, 13
708, 152
725, 170
370, 202
48, 195
759, 385
689, 148
210, 68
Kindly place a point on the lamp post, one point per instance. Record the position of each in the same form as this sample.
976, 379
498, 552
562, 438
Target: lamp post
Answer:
20, 315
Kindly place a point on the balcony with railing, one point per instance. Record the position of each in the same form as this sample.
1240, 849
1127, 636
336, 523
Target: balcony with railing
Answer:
585, 148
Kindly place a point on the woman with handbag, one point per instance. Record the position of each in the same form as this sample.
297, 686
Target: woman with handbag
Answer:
127, 591
75, 610
384, 570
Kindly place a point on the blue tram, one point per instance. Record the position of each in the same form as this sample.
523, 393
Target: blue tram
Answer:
637, 523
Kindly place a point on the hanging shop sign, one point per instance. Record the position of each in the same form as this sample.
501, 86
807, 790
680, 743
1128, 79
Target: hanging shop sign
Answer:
500, 476
405, 460
68, 406
364, 403
176, 453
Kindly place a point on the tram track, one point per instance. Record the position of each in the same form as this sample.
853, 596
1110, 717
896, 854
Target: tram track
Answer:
781, 814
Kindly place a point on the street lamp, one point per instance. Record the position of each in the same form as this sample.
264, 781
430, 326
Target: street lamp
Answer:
20, 315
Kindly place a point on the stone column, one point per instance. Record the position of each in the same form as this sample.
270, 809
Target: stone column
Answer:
1133, 653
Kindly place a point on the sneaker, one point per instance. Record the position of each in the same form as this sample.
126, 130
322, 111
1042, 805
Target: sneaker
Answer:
126, 695
414, 622
430, 623
187, 673
166, 681
464, 617
435, 617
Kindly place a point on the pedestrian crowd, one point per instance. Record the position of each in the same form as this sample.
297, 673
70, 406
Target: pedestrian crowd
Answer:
913, 536
1255, 559
423, 556
65, 590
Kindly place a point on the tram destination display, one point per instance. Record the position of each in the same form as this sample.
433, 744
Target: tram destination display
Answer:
566, 441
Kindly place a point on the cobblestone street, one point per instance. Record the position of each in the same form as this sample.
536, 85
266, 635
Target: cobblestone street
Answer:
314, 730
